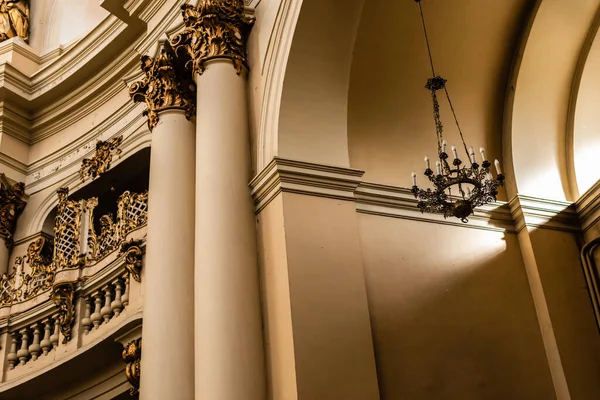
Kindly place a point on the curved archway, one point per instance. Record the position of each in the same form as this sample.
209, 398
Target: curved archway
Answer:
539, 98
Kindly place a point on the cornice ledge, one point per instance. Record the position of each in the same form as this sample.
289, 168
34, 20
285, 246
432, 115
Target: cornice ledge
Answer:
588, 207
398, 202
533, 212
291, 176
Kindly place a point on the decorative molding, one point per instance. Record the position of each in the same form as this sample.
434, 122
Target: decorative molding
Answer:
588, 207
532, 212
290, 176
283, 175
213, 30
590, 253
396, 202
165, 87
132, 254
132, 354
100, 162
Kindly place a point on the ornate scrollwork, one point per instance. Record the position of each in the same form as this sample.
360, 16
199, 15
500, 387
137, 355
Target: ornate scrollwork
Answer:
133, 258
100, 163
132, 354
14, 19
214, 29
132, 211
164, 87
63, 296
39, 258
11, 207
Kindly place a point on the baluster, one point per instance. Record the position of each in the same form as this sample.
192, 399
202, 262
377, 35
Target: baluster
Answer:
34, 348
46, 344
86, 322
12, 354
106, 310
117, 304
125, 298
96, 317
55, 336
23, 352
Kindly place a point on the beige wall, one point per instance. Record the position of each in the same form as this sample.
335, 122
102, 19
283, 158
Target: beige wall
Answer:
452, 313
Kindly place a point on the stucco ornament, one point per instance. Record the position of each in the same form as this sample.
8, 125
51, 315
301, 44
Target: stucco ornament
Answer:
11, 207
132, 354
100, 163
63, 295
164, 87
213, 29
14, 19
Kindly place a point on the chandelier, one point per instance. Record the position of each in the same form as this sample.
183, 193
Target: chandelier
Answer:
457, 188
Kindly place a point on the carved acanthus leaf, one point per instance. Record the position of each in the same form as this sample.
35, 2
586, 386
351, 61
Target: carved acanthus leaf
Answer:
164, 87
132, 354
11, 207
63, 296
132, 253
100, 163
214, 29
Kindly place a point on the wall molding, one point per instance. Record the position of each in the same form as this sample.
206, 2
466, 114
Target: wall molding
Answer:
588, 207
291, 176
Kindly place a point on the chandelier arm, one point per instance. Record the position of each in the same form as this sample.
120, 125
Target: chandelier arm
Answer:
426, 38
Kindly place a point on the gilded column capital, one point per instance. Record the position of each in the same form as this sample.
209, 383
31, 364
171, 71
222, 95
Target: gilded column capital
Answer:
213, 29
11, 207
165, 87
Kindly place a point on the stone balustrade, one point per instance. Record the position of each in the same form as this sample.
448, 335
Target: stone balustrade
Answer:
31, 342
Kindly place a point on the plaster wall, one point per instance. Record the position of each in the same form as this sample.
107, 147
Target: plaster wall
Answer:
451, 312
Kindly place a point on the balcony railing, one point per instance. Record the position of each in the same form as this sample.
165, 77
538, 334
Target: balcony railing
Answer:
79, 269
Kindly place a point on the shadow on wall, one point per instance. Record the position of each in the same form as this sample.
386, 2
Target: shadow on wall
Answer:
451, 312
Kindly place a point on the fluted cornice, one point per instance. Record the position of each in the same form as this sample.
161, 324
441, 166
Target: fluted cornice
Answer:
213, 29
165, 87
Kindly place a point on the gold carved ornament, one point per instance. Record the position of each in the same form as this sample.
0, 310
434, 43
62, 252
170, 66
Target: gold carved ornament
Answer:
165, 87
63, 295
14, 19
213, 29
11, 207
132, 253
100, 162
132, 354
66, 231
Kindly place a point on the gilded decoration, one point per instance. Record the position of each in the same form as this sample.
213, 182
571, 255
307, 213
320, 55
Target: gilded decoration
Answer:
213, 29
20, 286
165, 87
14, 19
132, 354
132, 252
63, 296
67, 230
11, 207
100, 162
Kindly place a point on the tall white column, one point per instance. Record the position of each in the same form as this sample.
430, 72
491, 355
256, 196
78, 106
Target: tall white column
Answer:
167, 365
228, 338
167, 361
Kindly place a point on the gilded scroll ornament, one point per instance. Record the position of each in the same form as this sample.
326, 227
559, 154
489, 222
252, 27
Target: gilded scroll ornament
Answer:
132, 354
11, 207
213, 29
14, 19
63, 296
165, 87
100, 162
132, 253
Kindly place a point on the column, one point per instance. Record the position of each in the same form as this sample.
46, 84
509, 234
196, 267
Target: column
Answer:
11, 207
228, 335
167, 365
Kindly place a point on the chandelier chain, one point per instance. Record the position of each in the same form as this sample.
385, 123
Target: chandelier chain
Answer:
426, 38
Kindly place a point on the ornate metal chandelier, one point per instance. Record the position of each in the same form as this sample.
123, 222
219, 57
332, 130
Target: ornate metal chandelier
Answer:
457, 188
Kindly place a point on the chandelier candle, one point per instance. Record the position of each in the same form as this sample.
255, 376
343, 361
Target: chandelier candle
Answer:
473, 183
